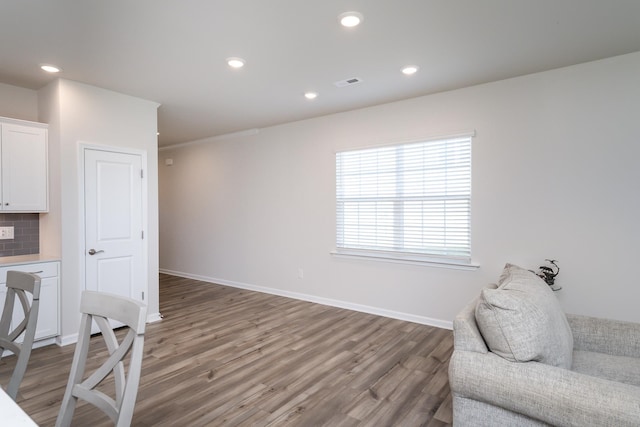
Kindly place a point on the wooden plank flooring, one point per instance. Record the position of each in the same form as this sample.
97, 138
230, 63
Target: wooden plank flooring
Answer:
230, 357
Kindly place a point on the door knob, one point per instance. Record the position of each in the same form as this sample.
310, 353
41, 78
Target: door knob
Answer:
93, 251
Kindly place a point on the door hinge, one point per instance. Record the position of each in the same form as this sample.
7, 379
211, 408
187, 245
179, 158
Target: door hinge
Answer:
142, 295
142, 234
141, 173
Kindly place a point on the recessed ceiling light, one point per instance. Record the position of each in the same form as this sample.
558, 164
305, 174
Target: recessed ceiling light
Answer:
235, 62
50, 68
350, 19
410, 69
311, 95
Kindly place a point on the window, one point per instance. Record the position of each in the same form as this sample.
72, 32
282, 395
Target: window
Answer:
409, 202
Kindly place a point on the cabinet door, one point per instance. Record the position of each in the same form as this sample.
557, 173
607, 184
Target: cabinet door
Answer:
48, 313
3, 295
24, 168
18, 314
47, 325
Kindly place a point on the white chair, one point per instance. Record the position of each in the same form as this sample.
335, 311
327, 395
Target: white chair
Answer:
18, 284
101, 307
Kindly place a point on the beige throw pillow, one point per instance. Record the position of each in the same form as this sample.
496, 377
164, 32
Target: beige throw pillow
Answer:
522, 320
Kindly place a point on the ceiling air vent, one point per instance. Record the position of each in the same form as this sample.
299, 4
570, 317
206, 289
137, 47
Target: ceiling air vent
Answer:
348, 82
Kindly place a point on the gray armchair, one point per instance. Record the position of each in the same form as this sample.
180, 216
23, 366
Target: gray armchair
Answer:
601, 388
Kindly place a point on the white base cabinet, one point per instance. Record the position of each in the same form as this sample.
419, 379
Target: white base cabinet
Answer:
48, 316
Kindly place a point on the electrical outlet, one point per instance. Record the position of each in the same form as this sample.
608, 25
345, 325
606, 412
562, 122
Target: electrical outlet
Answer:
6, 233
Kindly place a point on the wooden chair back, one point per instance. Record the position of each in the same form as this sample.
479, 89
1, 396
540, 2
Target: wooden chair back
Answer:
100, 307
17, 337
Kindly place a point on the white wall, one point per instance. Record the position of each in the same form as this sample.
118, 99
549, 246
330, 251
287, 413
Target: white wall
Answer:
18, 103
79, 113
554, 176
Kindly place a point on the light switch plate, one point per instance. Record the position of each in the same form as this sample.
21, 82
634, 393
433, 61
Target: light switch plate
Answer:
6, 233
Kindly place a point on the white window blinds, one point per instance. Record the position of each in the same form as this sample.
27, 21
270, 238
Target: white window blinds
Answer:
406, 200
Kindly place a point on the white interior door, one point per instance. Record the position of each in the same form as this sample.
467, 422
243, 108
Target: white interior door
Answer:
113, 223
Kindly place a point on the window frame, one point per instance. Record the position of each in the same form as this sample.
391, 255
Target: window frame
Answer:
406, 256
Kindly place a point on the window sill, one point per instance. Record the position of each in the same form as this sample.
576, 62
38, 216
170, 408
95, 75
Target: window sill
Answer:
424, 261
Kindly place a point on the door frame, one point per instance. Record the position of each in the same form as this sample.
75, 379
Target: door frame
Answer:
83, 147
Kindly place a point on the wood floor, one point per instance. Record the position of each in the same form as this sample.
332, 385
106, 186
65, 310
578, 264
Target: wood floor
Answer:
229, 357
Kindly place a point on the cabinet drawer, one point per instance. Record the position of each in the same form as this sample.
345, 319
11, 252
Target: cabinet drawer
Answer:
42, 269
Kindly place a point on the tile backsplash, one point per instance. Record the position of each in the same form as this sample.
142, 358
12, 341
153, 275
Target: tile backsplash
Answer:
26, 233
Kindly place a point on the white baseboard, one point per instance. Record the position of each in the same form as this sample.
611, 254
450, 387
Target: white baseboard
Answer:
154, 317
44, 342
444, 324
67, 339
36, 344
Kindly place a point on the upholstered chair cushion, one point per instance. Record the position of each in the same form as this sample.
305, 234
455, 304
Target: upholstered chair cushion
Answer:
522, 320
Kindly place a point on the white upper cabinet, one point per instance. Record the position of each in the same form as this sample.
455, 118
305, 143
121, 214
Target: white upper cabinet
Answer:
23, 167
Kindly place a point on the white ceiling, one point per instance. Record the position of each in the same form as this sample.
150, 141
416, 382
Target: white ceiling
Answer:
173, 51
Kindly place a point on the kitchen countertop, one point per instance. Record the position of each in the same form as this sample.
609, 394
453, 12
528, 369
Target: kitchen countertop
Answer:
26, 259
